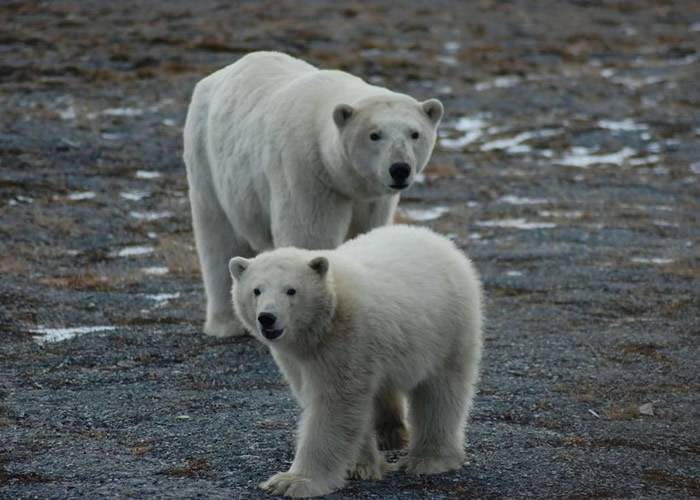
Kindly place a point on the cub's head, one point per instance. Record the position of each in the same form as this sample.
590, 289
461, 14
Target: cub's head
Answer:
388, 139
283, 296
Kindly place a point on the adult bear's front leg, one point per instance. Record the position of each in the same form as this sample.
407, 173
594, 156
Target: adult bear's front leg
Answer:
314, 219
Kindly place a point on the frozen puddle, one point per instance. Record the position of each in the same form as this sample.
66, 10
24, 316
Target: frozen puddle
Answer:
151, 216
518, 200
654, 260
133, 251
162, 299
134, 195
471, 130
583, 157
425, 214
516, 224
156, 270
147, 174
85, 195
48, 335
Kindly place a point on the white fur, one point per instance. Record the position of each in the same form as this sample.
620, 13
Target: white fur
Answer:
398, 308
278, 153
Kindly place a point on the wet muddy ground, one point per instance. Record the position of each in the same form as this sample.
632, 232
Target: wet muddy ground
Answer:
568, 168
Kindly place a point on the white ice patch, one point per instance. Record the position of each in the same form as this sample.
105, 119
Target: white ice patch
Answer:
514, 145
502, 82
425, 214
85, 195
583, 157
147, 174
514, 273
156, 270
519, 200
655, 260
133, 251
626, 125
46, 335
169, 122
516, 224
134, 195
161, 299
151, 216
471, 129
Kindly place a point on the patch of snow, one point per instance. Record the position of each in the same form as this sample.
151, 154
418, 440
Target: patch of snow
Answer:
134, 195
152, 235
627, 125
169, 122
655, 260
122, 112
151, 216
85, 195
695, 167
156, 270
583, 157
147, 174
448, 60
514, 273
566, 214
645, 160
46, 335
107, 136
161, 299
521, 200
134, 251
471, 128
425, 214
68, 114
451, 46
516, 224
502, 82
513, 144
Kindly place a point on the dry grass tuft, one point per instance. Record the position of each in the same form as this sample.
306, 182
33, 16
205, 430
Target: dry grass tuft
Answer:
622, 411
180, 255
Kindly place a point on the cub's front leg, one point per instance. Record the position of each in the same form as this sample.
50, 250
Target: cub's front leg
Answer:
330, 436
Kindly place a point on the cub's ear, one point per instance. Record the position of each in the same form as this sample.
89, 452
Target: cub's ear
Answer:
342, 114
320, 265
434, 109
236, 266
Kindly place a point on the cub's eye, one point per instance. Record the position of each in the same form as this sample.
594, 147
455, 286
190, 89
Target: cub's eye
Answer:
415, 135
375, 136
291, 291
256, 291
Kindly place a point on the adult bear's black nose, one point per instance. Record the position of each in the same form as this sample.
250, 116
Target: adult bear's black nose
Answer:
400, 172
267, 320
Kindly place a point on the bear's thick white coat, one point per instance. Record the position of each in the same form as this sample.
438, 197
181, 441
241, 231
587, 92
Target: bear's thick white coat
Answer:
398, 308
280, 153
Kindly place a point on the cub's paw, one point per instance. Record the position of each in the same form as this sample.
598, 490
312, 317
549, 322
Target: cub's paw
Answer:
228, 326
293, 485
431, 465
392, 435
369, 469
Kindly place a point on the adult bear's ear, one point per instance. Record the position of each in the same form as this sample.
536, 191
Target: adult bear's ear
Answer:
342, 114
433, 108
236, 266
320, 265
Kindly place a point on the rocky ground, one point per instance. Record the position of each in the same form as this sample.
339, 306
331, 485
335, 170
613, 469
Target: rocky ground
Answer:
568, 168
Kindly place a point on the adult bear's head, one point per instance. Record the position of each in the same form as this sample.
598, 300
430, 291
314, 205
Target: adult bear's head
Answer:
388, 138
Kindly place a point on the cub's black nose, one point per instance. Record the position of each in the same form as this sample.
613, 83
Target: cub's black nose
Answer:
267, 320
400, 172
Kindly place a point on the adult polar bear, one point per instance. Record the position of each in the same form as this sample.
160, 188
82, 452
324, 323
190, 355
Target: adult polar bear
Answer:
280, 153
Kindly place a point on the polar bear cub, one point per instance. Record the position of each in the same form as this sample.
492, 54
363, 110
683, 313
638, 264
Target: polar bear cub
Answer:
398, 308
281, 153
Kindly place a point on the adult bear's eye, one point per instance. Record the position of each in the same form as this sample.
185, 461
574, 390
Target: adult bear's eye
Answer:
375, 136
415, 135
256, 291
291, 291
